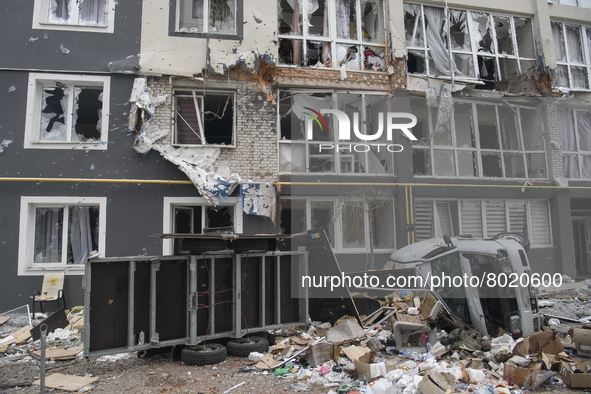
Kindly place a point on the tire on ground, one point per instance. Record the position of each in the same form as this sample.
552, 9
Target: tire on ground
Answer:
243, 347
210, 353
522, 239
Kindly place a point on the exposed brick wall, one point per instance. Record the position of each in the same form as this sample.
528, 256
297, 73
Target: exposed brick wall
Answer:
552, 133
255, 155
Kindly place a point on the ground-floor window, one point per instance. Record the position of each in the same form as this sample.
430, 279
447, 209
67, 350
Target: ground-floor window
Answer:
60, 232
351, 225
484, 218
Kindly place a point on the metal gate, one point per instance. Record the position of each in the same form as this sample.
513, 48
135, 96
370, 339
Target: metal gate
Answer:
186, 299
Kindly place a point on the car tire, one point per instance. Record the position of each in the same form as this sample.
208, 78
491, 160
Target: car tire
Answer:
243, 347
208, 354
522, 239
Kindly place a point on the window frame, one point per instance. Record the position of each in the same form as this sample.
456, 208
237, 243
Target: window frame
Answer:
35, 104
474, 49
332, 38
585, 36
41, 19
337, 154
26, 264
483, 215
174, 20
339, 247
170, 203
578, 152
177, 92
502, 151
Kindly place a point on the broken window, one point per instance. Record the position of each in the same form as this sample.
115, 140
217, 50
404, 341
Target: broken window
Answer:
204, 118
575, 126
71, 113
76, 12
310, 143
308, 38
206, 16
572, 48
490, 139
322, 216
472, 44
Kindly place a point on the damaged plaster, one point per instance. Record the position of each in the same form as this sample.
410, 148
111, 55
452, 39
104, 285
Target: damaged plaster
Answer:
216, 53
202, 165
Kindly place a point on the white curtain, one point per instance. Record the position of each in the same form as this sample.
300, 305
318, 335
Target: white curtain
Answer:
584, 129
569, 143
48, 230
557, 37
439, 53
80, 234
93, 12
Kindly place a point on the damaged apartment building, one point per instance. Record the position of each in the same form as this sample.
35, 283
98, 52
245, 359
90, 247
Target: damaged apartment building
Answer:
124, 119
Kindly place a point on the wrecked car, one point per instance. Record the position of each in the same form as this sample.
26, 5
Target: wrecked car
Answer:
494, 293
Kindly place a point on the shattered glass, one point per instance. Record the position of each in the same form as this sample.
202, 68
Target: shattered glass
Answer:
290, 17
53, 114
86, 116
292, 157
293, 216
464, 64
561, 77
482, 30
322, 216
524, 36
465, 137
416, 62
504, 35
318, 20
421, 159
491, 165
318, 54
373, 59
413, 25
349, 56
458, 29
78, 12
372, 21
487, 126
290, 52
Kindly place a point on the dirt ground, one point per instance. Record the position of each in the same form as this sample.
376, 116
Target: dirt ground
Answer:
155, 374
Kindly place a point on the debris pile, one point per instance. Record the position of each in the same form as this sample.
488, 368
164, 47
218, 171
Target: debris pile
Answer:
412, 345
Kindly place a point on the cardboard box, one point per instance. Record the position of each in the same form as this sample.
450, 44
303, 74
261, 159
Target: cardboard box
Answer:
546, 342
437, 383
366, 370
319, 353
582, 340
575, 380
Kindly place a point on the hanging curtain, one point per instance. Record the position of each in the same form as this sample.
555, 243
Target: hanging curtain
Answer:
343, 10
569, 144
325, 46
93, 12
58, 9
295, 29
439, 53
48, 232
80, 234
584, 128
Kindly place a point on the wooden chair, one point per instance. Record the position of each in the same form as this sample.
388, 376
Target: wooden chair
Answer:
52, 290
